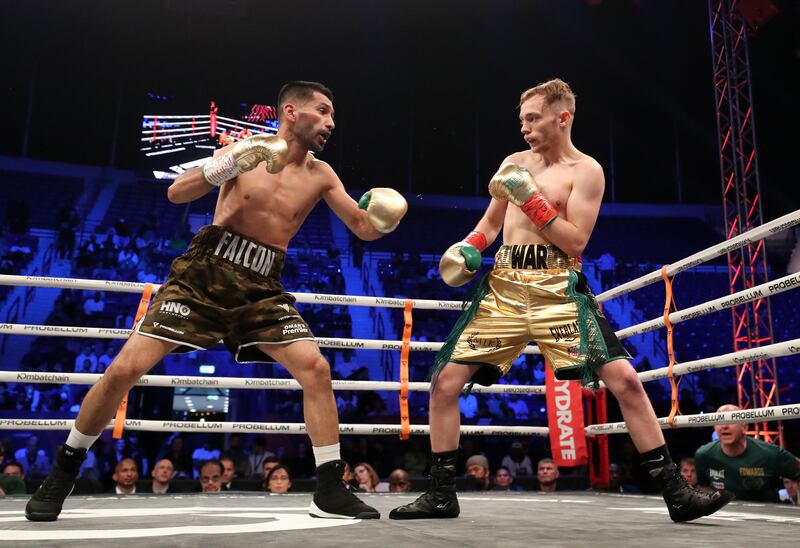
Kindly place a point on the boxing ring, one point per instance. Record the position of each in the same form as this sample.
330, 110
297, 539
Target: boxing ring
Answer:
508, 519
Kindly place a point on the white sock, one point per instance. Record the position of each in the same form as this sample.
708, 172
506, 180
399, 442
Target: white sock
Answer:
326, 453
76, 440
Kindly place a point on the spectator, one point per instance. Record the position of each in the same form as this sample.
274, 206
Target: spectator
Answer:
237, 453
93, 309
399, 482
349, 479
256, 459
468, 405
517, 462
126, 474
519, 407
86, 361
478, 472
607, 266
162, 477
13, 468
176, 452
268, 464
278, 480
121, 450
33, 459
211, 476
749, 468
204, 454
504, 481
228, 472
547, 474
127, 258
617, 483
689, 471
68, 221
366, 477
11, 485
105, 359
90, 469
123, 232
789, 492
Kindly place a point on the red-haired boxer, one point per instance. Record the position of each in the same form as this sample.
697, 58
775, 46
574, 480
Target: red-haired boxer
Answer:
546, 200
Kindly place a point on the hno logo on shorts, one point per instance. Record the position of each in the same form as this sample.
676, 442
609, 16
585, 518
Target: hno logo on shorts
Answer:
175, 309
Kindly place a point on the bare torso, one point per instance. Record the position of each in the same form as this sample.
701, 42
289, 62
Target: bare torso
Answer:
555, 182
271, 208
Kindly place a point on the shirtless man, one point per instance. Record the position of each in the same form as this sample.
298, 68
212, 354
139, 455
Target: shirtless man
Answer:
226, 286
546, 200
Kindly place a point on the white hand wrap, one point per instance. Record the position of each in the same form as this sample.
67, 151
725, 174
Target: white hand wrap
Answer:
220, 169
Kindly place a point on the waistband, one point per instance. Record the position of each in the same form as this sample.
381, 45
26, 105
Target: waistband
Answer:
240, 251
534, 257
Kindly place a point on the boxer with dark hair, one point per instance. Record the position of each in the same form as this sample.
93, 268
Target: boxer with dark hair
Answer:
226, 287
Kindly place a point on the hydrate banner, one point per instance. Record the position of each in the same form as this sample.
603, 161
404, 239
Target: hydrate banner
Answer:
565, 420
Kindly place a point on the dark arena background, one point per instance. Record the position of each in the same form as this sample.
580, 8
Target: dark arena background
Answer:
689, 106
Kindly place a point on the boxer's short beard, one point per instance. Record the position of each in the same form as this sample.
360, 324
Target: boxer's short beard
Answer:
308, 137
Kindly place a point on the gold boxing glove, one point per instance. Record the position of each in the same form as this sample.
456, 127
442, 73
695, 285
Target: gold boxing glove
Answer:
246, 155
385, 207
516, 184
462, 260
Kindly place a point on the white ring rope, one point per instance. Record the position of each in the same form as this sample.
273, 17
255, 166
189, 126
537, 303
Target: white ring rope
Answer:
774, 287
248, 383
194, 133
790, 281
193, 129
770, 351
176, 116
243, 123
760, 414
777, 225
269, 428
158, 125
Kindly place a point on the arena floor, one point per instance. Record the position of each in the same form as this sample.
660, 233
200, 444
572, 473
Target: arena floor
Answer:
491, 519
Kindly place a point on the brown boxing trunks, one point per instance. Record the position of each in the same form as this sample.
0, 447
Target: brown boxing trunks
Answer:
225, 287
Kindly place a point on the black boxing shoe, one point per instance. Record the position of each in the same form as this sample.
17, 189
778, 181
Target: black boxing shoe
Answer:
439, 501
333, 499
46, 503
685, 503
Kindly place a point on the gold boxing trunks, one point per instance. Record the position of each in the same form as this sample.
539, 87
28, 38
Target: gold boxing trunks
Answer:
536, 293
225, 287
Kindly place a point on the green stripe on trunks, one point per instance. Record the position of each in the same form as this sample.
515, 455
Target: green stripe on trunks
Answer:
469, 308
593, 347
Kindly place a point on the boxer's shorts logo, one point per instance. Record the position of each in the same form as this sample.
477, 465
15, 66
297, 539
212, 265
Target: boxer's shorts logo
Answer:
158, 325
475, 341
293, 328
175, 309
